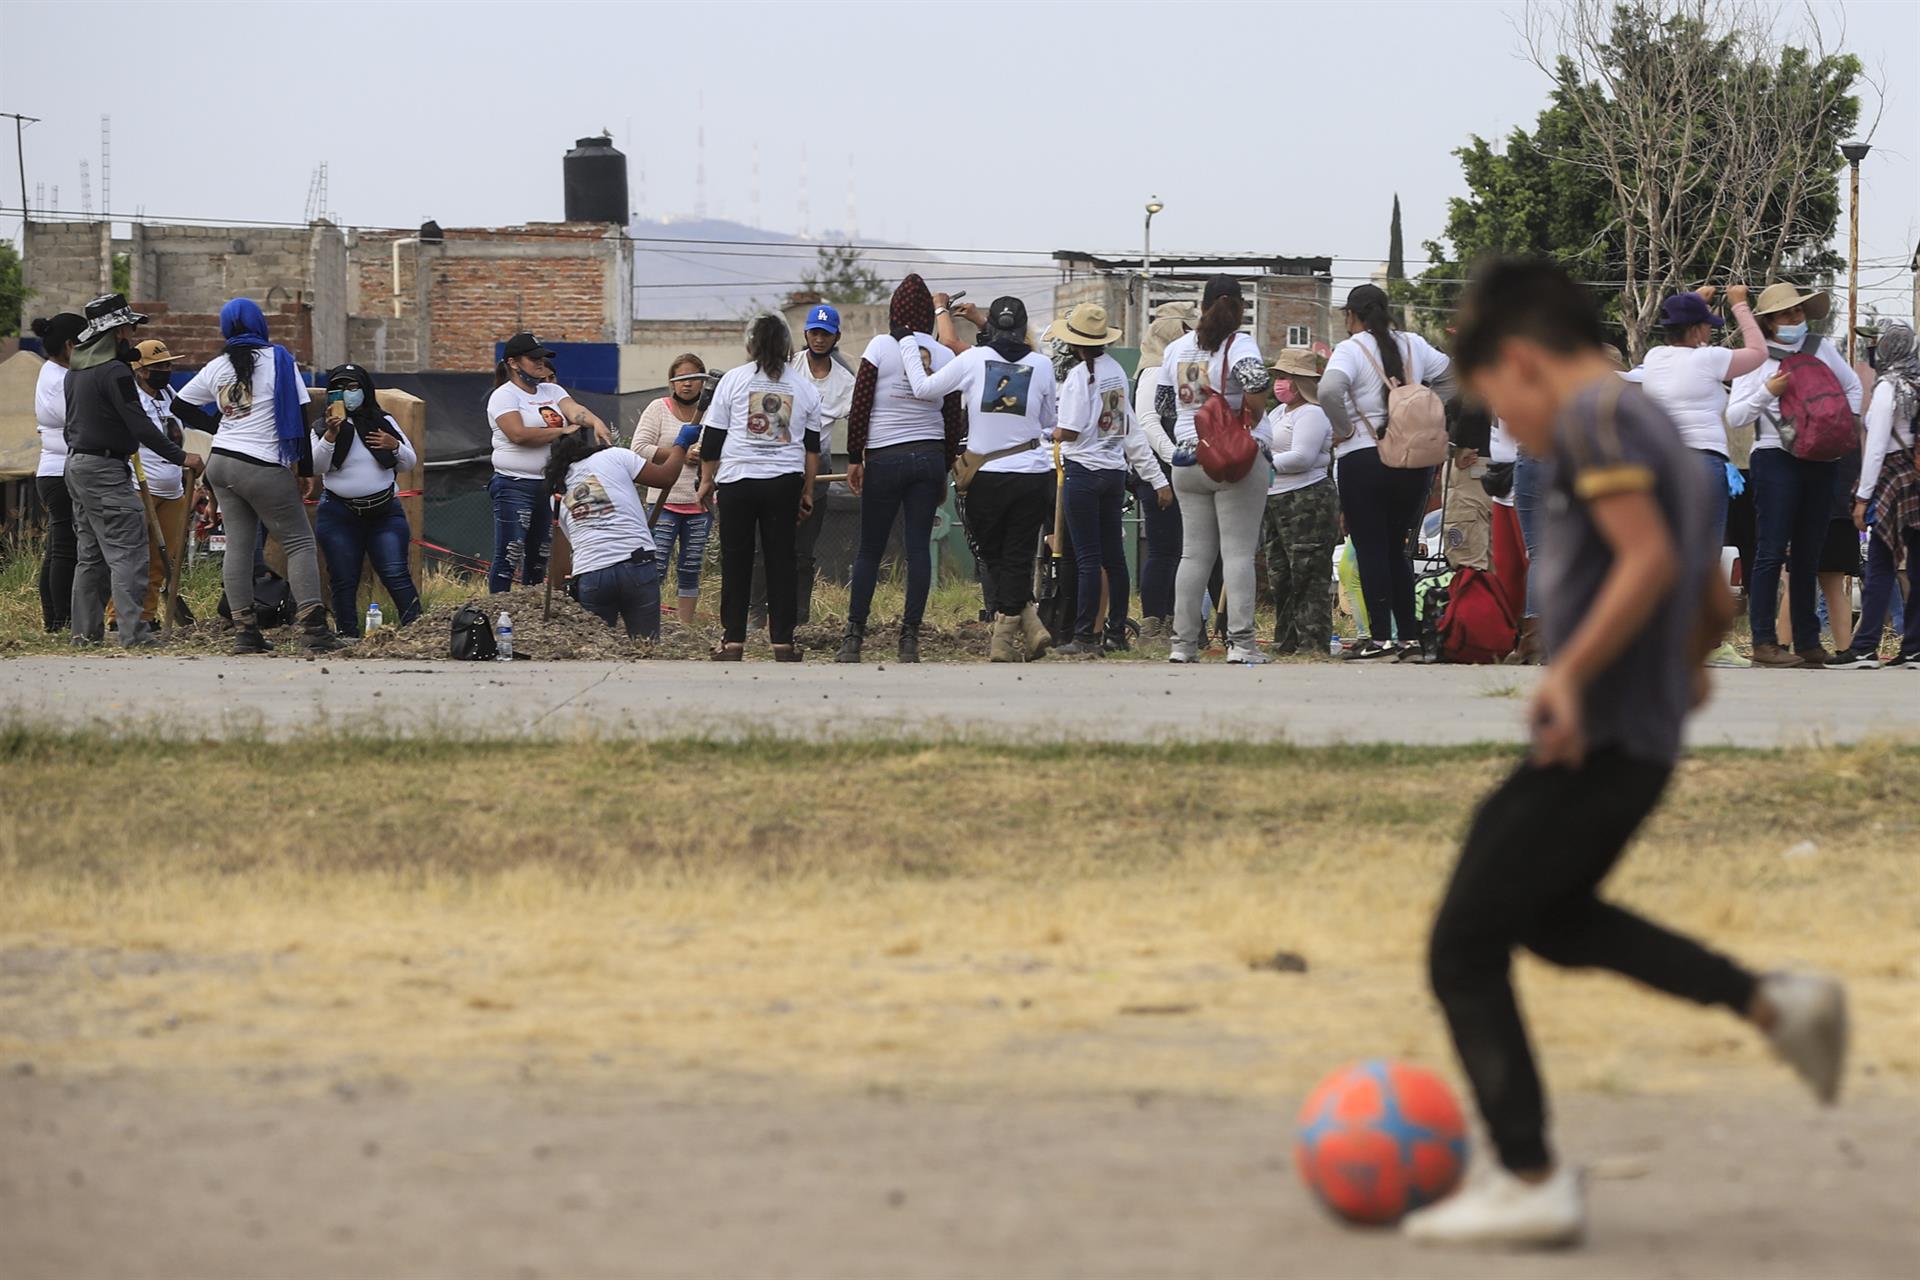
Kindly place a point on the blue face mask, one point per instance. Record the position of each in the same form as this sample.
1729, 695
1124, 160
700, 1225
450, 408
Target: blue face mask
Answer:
1790, 335
353, 398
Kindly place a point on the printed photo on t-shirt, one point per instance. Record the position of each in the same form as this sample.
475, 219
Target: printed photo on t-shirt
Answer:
1190, 380
1112, 411
587, 499
1007, 386
236, 399
770, 417
551, 417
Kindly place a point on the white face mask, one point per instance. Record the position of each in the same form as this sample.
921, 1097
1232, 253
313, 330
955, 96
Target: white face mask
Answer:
1788, 335
353, 398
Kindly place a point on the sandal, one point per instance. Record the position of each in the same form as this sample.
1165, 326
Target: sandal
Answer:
729, 652
789, 653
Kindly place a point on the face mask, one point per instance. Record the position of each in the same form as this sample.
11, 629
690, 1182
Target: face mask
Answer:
687, 392
123, 350
1788, 335
531, 379
353, 398
157, 381
1282, 390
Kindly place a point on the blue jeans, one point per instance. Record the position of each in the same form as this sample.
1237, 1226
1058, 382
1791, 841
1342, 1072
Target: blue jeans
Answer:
1093, 503
690, 530
1529, 491
902, 478
1790, 501
1160, 560
1877, 593
522, 515
1717, 500
627, 592
346, 538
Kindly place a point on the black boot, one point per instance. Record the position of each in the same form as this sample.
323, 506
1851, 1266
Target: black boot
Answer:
850, 642
909, 643
316, 633
248, 639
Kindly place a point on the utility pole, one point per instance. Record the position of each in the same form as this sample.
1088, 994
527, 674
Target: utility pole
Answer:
20, 124
1855, 152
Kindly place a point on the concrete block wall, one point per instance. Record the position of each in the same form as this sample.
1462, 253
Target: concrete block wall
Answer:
66, 265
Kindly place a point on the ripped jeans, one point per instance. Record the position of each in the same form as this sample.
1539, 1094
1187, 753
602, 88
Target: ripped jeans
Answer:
522, 516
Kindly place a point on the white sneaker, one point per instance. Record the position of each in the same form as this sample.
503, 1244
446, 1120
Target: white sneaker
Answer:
1727, 656
1496, 1208
1248, 657
1810, 1028
1182, 656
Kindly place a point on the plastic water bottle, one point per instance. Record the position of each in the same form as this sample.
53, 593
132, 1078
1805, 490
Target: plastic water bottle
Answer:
1334, 646
503, 632
373, 617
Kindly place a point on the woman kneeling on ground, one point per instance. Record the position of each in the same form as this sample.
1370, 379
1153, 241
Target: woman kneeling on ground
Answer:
616, 570
357, 451
1009, 391
1303, 511
1100, 438
759, 451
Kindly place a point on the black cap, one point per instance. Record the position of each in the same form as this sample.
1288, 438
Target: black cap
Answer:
525, 344
1008, 314
1220, 286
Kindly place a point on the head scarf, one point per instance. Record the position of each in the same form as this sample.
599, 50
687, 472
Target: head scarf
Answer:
1160, 335
1009, 340
242, 325
1897, 361
912, 308
365, 420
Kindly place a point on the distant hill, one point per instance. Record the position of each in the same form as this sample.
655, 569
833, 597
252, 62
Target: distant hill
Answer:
722, 269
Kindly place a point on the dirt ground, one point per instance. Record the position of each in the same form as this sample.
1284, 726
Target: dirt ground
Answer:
123, 1178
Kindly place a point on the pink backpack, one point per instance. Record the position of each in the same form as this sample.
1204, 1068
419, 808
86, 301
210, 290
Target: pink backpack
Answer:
1815, 423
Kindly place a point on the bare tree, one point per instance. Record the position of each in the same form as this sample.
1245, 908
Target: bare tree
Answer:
1715, 134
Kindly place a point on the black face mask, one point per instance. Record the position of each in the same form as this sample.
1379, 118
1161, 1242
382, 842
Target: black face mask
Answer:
124, 350
689, 396
157, 382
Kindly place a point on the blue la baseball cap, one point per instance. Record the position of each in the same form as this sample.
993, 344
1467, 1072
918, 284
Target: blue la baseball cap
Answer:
824, 317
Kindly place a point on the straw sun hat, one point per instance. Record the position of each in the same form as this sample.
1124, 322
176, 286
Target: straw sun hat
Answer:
1303, 367
1784, 297
1084, 326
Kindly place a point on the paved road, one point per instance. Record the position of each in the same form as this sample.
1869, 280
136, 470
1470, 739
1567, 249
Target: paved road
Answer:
1113, 701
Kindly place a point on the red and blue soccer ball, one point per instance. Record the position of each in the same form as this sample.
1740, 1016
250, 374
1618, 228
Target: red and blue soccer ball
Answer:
1380, 1139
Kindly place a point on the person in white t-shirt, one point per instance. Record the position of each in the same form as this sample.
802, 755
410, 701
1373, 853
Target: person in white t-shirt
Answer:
1382, 505
359, 451
1217, 520
57, 336
1792, 497
1159, 526
1009, 392
1101, 444
818, 360
1303, 510
899, 448
759, 453
603, 512
526, 413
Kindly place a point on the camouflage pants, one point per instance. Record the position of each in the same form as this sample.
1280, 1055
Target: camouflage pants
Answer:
1300, 530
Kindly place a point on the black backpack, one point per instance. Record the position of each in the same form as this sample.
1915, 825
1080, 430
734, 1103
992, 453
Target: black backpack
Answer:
272, 601
473, 635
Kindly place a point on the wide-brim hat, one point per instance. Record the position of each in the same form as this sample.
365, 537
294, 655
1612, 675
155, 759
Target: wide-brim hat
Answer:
152, 352
1784, 297
109, 311
1303, 367
1083, 326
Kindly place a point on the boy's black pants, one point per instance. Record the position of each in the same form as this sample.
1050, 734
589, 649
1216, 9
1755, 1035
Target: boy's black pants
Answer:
1529, 877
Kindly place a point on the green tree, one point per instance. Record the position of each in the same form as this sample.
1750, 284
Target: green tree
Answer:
13, 290
122, 272
842, 277
1396, 247
1682, 142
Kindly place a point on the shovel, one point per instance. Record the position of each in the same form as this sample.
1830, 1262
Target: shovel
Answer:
168, 585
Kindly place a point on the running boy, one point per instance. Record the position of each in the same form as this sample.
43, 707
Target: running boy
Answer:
1631, 603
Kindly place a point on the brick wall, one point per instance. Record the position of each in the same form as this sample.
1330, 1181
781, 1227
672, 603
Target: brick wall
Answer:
194, 337
1286, 301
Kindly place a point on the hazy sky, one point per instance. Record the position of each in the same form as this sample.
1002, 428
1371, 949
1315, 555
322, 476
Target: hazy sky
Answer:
1277, 127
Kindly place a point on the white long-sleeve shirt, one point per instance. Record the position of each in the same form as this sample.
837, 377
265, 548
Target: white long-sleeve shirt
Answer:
1146, 411
1302, 448
359, 475
1008, 402
1752, 403
50, 418
1883, 434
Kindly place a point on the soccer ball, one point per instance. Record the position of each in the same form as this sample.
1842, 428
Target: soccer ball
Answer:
1379, 1139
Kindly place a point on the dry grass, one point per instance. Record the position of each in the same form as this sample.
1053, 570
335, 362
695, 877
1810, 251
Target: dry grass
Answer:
710, 917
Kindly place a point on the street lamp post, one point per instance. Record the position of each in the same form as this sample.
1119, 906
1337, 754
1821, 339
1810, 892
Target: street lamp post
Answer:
1855, 152
1138, 322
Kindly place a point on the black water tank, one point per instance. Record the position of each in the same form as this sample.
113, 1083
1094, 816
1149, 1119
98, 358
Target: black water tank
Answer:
596, 182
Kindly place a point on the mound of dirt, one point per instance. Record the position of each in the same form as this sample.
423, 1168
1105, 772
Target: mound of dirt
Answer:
572, 632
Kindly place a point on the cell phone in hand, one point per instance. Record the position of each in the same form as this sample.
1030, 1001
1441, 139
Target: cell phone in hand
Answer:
336, 405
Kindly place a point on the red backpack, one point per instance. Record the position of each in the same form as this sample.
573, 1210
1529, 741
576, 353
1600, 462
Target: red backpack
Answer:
1226, 446
1476, 624
1815, 423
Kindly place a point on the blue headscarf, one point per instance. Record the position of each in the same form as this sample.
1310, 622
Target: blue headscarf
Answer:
242, 325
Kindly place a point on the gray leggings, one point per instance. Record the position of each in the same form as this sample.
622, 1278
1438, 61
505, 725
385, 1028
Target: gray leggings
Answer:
1217, 521
251, 494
